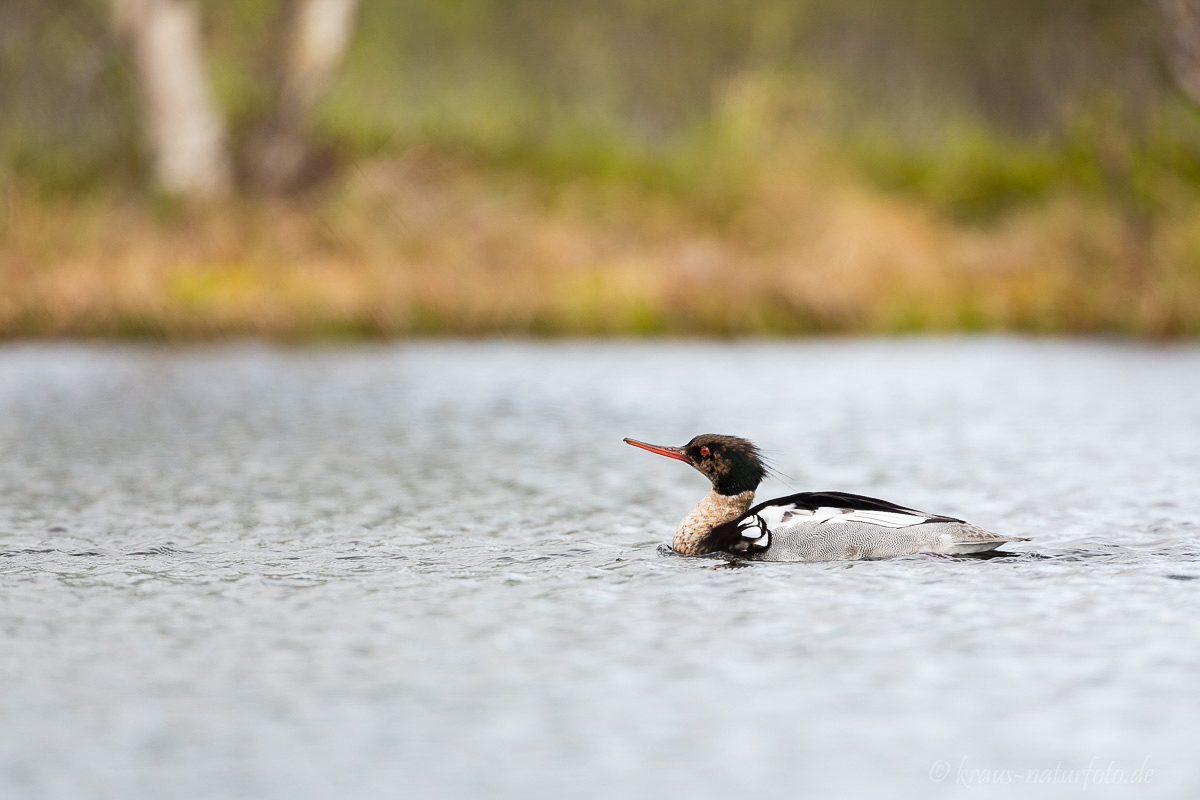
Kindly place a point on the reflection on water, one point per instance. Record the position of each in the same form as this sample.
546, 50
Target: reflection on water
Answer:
435, 570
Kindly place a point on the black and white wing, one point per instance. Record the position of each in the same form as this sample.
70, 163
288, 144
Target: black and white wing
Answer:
752, 532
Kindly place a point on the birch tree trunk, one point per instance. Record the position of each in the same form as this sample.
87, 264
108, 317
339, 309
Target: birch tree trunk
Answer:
1182, 18
185, 130
317, 33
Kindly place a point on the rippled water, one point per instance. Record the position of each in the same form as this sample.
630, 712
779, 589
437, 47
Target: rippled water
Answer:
432, 570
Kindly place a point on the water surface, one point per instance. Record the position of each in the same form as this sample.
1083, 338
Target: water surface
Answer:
433, 570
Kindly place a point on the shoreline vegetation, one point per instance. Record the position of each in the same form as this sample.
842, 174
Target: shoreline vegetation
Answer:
528, 169
431, 244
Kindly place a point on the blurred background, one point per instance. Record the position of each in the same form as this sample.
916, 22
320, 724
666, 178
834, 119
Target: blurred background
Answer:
333, 169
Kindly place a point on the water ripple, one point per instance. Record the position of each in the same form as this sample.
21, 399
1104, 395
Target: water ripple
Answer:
435, 570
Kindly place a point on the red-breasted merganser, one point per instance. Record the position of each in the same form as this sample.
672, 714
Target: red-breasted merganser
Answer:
810, 526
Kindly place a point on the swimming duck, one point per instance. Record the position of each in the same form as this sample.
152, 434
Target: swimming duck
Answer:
810, 526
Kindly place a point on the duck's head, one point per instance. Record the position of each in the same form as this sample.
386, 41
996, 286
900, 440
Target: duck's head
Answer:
733, 465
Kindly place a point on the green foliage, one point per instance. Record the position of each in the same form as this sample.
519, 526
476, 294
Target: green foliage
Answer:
971, 175
67, 112
969, 104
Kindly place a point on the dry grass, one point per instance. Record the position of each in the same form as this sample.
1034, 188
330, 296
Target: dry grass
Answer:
429, 244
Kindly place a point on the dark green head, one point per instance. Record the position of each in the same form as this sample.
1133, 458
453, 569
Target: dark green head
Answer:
733, 465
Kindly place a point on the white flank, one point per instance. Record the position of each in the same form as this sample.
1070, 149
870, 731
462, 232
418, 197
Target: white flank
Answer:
887, 519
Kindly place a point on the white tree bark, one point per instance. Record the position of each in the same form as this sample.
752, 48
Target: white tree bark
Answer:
187, 135
322, 31
319, 31
1182, 19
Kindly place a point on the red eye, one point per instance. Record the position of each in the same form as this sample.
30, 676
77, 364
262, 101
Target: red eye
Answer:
704, 451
